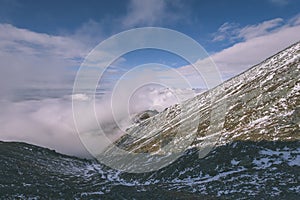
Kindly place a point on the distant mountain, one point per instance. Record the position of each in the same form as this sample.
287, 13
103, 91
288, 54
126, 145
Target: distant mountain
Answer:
256, 116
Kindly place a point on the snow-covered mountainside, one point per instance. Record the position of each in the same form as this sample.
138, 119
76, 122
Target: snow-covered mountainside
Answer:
262, 103
239, 170
253, 118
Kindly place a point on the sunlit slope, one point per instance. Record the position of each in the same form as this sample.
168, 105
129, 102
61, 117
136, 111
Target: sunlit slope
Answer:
262, 103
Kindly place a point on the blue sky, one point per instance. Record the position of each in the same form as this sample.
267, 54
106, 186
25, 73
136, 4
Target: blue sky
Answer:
43, 40
196, 18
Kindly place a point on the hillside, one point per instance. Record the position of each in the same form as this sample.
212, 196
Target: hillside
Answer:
245, 145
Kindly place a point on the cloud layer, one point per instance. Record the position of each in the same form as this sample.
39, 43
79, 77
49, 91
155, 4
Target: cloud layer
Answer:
256, 43
30, 59
49, 122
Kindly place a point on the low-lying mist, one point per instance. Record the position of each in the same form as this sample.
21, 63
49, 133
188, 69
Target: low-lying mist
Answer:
49, 122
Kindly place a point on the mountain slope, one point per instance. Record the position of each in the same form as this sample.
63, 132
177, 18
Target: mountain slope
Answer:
239, 170
262, 103
257, 155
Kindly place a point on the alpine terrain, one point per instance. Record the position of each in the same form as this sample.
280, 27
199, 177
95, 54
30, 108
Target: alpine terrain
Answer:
245, 145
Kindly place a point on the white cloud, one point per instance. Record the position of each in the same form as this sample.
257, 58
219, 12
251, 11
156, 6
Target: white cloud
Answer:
19, 40
234, 32
151, 12
31, 59
260, 42
47, 123
225, 31
260, 29
144, 12
294, 21
37, 60
279, 2
89, 33
243, 55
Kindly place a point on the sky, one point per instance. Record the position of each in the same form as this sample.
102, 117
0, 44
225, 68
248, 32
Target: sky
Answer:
43, 43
